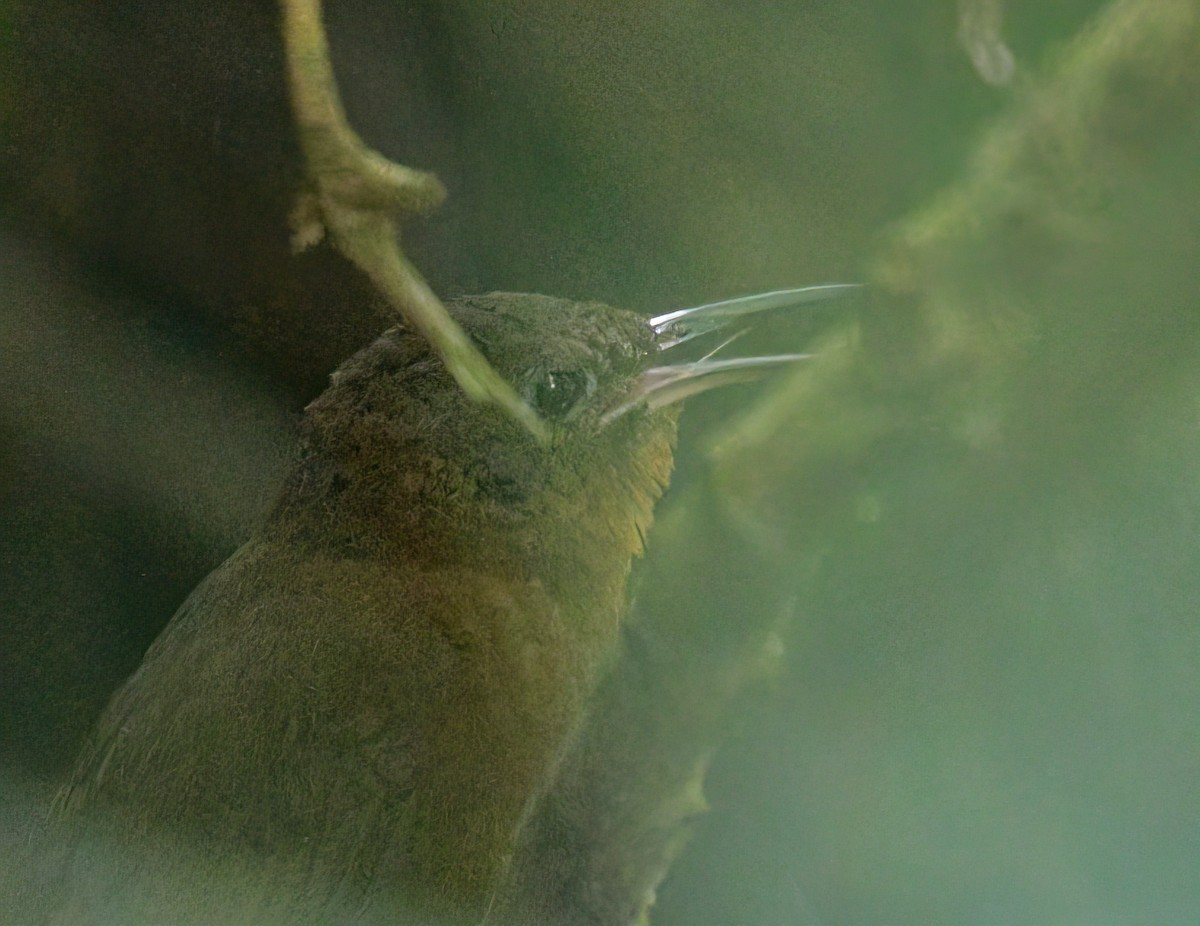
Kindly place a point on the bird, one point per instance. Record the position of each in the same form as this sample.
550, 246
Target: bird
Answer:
374, 690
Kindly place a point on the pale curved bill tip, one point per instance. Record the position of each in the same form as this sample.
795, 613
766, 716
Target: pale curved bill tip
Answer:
658, 387
685, 324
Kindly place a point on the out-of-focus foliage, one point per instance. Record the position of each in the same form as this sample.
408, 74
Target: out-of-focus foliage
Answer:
989, 495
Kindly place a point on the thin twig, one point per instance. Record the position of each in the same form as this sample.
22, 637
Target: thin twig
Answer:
355, 197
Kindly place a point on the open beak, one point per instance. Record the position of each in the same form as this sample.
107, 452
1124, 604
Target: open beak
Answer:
680, 326
659, 386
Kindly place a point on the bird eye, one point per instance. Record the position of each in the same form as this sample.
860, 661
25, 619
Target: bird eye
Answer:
560, 393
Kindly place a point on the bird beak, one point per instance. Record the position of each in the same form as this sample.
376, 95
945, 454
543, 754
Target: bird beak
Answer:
680, 326
660, 386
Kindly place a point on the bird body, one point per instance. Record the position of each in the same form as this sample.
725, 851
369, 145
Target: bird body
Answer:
383, 678
366, 701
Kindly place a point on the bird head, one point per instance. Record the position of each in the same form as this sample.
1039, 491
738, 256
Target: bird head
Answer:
399, 461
